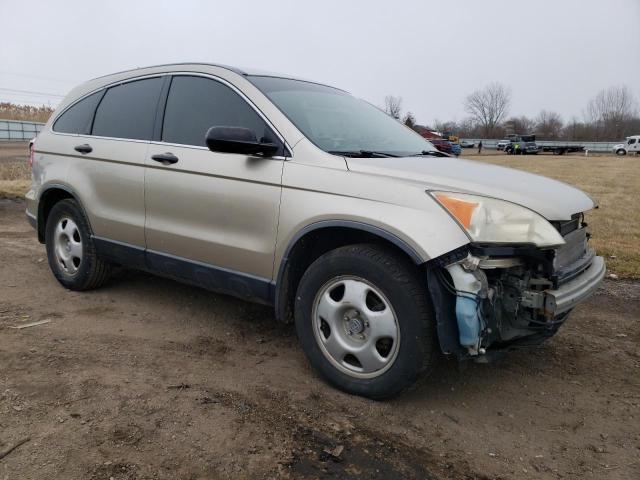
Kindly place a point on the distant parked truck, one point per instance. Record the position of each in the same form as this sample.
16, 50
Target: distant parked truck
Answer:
632, 145
521, 145
560, 149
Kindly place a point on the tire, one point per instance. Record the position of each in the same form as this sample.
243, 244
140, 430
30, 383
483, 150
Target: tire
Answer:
393, 337
621, 151
70, 249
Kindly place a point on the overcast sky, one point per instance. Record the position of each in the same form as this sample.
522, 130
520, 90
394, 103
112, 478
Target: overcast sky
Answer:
553, 54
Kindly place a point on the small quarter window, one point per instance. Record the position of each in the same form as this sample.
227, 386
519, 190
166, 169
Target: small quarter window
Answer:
77, 119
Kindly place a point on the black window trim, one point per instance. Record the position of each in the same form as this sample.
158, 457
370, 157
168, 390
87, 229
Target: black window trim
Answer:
160, 109
103, 92
104, 89
157, 140
162, 101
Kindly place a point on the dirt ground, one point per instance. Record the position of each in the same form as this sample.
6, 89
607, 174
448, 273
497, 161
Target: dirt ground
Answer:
13, 151
146, 378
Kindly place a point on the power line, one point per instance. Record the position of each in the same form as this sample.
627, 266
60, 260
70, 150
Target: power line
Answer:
27, 102
28, 95
23, 98
32, 92
49, 79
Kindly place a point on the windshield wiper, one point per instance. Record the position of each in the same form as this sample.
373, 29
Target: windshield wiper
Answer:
361, 153
431, 153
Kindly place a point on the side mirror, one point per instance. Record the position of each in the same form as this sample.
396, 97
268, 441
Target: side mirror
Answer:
238, 140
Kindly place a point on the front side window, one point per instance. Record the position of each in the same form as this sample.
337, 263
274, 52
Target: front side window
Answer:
338, 122
128, 110
195, 104
77, 119
632, 141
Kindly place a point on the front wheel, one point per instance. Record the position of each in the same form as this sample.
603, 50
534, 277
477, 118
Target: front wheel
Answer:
364, 320
621, 151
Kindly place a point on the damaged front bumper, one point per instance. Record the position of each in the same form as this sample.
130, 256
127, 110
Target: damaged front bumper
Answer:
493, 298
569, 294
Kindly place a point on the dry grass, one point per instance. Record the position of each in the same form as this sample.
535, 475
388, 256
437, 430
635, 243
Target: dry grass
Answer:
13, 111
14, 171
614, 182
14, 179
13, 188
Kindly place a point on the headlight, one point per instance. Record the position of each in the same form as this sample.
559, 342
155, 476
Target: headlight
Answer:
489, 220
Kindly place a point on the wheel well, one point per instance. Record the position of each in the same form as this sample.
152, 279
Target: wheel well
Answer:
309, 248
48, 199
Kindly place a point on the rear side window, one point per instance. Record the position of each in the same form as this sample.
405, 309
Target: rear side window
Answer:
128, 110
77, 119
196, 104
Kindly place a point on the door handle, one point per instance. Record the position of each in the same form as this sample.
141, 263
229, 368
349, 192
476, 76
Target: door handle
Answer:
165, 158
84, 149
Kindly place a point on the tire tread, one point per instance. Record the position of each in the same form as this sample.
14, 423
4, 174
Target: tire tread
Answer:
406, 276
100, 270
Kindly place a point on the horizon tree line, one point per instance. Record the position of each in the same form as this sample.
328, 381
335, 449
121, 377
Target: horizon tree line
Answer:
610, 115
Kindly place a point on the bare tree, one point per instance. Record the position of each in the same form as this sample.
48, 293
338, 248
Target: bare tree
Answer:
521, 124
409, 120
611, 110
450, 126
393, 106
548, 125
576, 130
489, 106
468, 128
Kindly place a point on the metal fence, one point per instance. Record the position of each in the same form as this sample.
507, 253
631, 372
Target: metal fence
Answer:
18, 130
591, 146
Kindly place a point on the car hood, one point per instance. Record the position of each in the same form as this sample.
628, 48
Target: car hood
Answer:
552, 199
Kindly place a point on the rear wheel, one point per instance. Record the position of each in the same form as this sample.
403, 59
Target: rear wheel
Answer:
70, 250
364, 320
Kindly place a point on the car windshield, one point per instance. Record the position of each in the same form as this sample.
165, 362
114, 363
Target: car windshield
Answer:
338, 122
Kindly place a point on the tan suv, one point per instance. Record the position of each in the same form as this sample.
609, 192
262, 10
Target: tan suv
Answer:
298, 195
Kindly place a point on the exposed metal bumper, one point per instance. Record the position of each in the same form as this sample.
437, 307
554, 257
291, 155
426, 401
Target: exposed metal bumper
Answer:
569, 294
